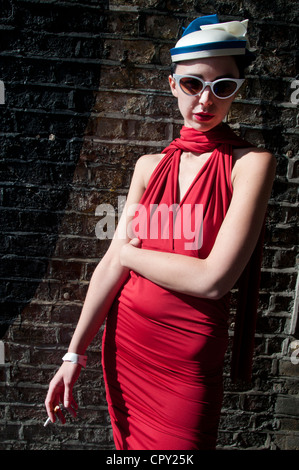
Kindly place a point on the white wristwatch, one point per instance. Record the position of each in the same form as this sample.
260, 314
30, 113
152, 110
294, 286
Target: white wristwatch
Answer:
75, 358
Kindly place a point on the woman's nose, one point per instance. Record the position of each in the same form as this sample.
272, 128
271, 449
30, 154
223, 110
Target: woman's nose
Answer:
206, 97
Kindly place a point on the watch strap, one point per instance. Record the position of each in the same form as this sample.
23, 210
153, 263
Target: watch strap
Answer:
75, 358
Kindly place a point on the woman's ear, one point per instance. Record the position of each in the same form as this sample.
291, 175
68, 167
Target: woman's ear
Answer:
172, 84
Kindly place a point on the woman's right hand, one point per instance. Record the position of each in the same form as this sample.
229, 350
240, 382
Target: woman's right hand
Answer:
61, 391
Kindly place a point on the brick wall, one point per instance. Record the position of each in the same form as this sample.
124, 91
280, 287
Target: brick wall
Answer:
86, 93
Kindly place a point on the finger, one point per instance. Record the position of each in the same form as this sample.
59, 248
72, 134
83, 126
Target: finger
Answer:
50, 404
60, 415
69, 401
53, 397
72, 410
135, 242
67, 398
52, 413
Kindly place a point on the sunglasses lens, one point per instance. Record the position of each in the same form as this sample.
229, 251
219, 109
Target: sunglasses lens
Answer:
224, 88
191, 86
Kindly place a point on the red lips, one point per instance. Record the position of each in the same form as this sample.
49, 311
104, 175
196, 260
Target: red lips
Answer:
203, 116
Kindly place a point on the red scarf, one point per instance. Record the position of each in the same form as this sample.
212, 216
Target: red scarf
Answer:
248, 284
191, 140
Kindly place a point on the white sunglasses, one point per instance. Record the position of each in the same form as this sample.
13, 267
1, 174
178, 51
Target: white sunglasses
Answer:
222, 88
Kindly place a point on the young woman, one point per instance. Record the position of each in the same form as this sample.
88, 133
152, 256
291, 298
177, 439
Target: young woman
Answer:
199, 209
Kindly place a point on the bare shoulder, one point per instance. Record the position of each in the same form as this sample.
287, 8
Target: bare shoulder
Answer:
254, 161
146, 164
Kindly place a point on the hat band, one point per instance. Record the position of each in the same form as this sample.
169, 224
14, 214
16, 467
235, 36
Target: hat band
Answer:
235, 47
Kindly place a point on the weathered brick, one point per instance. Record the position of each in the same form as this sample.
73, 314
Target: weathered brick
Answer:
287, 405
87, 93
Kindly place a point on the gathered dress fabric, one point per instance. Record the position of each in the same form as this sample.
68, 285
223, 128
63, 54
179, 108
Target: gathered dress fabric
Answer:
163, 351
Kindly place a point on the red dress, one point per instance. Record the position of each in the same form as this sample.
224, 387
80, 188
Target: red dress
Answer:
163, 351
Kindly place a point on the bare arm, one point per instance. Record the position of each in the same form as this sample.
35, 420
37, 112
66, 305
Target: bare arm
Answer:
110, 274
214, 276
106, 281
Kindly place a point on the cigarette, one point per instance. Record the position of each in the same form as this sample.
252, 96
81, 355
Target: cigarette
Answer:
49, 420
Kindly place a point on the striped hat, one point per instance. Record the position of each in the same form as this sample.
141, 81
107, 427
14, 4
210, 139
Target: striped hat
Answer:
206, 37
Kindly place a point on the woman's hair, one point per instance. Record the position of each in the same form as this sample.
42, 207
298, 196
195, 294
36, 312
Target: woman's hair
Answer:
242, 61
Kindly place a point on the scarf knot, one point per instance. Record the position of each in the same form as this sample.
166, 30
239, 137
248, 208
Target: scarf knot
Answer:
191, 140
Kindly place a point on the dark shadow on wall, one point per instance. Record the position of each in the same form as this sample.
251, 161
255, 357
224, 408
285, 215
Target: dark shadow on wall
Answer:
50, 77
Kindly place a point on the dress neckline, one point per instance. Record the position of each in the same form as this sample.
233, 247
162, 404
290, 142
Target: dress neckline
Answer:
176, 173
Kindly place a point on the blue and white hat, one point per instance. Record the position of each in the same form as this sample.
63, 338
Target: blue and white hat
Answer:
206, 37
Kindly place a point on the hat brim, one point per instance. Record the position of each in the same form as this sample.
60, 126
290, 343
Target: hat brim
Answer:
215, 49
